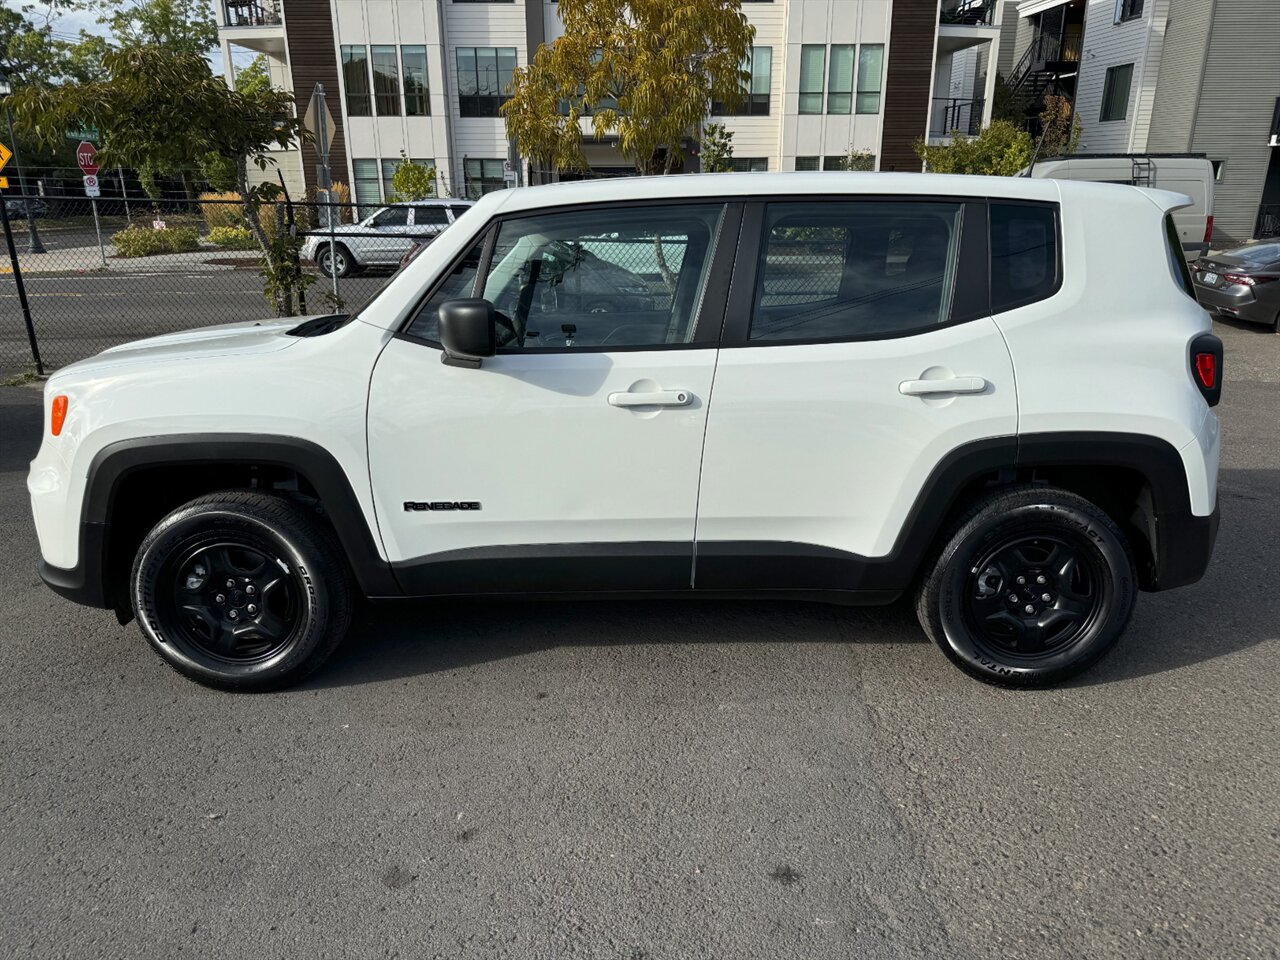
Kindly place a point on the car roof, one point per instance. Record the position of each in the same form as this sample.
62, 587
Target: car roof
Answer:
824, 185
431, 202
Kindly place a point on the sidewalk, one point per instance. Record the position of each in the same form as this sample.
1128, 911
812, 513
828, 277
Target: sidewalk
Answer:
90, 258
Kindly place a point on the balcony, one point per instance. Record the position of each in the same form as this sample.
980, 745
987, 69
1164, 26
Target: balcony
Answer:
251, 13
953, 116
967, 23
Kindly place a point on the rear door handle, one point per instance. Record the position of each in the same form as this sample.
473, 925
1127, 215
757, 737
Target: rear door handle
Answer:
654, 398
923, 388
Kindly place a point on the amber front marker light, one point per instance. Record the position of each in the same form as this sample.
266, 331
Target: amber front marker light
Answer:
58, 414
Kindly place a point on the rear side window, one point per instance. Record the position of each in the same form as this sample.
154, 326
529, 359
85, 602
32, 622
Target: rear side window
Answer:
429, 217
1024, 253
854, 270
1177, 262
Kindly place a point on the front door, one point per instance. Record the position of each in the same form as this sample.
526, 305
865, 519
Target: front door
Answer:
569, 460
859, 352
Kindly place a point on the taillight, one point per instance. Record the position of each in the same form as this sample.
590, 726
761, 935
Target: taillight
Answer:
1247, 280
1207, 370
1208, 228
1206, 367
58, 414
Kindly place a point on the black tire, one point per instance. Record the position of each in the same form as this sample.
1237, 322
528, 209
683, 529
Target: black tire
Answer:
198, 571
345, 262
1037, 632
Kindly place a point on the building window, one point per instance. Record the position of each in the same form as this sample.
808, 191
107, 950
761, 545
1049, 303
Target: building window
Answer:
367, 189
749, 164
355, 76
870, 74
484, 79
481, 177
755, 101
386, 81
1128, 10
840, 79
839, 162
415, 81
806, 163
389, 171
813, 64
1115, 92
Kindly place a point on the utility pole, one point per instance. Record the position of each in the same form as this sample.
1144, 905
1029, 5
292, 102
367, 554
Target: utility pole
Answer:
33, 235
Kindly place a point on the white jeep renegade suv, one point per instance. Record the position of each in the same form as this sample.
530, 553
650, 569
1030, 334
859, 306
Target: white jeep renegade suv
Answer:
995, 393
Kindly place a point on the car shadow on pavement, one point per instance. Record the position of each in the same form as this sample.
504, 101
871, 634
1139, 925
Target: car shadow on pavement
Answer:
1169, 631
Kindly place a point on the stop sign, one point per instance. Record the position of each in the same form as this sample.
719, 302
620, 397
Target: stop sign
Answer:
87, 157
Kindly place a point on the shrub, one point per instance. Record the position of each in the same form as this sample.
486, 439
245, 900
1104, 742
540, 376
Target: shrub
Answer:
141, 242
233, 238
221, 209
1000, 150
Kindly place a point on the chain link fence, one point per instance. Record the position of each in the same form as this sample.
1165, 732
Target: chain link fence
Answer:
104, 273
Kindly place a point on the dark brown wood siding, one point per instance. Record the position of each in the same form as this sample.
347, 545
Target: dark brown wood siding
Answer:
907, 92
313, 58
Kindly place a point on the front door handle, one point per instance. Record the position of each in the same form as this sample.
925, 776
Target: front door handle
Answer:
652, 398
923, 388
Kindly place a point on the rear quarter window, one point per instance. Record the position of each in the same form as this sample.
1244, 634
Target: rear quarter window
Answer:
1024, 253
1177, 262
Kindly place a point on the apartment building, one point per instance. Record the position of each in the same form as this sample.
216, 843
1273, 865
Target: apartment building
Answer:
426, 78
1166, 76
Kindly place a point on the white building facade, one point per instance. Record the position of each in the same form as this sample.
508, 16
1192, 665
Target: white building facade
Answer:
424, 79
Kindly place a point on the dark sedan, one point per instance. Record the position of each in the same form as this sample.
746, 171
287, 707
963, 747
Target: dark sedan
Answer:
1244, 283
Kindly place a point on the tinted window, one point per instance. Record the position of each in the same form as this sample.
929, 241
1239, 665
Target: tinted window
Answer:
392, 217
1024, 253
459, 283
858, 269
609, 277
429, 216
1177, 262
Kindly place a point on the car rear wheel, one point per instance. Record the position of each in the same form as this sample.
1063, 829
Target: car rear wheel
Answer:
1032, 586
242, 591
338, 262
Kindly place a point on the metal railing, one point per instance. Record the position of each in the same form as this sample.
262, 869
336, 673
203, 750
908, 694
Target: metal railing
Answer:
956, 115
250, 13
967, 12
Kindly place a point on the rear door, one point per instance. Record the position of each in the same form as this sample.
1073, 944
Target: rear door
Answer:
859, 352
428, 221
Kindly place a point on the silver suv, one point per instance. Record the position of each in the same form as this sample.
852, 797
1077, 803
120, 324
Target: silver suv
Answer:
383, 238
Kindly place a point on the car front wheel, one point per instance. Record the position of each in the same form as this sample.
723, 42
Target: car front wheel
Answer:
1032, 586
242, 590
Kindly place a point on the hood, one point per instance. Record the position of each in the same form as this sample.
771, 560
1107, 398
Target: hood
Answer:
255, 336
338, 230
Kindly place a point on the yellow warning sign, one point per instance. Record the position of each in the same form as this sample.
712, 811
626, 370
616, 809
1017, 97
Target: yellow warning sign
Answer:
5, 155
4, 183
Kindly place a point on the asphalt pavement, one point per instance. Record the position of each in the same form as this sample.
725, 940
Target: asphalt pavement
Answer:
655, 780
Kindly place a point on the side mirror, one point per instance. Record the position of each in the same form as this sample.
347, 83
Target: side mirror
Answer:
468, 332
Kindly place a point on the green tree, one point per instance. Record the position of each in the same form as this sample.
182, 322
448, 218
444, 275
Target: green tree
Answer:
717, 148
31, 51
412, 181
1000, 150
159, 110
644, 71
179, 26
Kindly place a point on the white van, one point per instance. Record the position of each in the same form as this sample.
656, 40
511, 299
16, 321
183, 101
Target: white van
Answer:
1189, 173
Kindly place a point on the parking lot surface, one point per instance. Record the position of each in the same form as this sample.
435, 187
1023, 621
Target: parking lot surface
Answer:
655, 780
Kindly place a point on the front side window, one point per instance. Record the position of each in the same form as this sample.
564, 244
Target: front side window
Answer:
1115, 92
609, 277
870, 75
852, 270
458, 285
355, 76
813, 66
416, 103
840, 79
1024, 253
484, 79
390, 217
